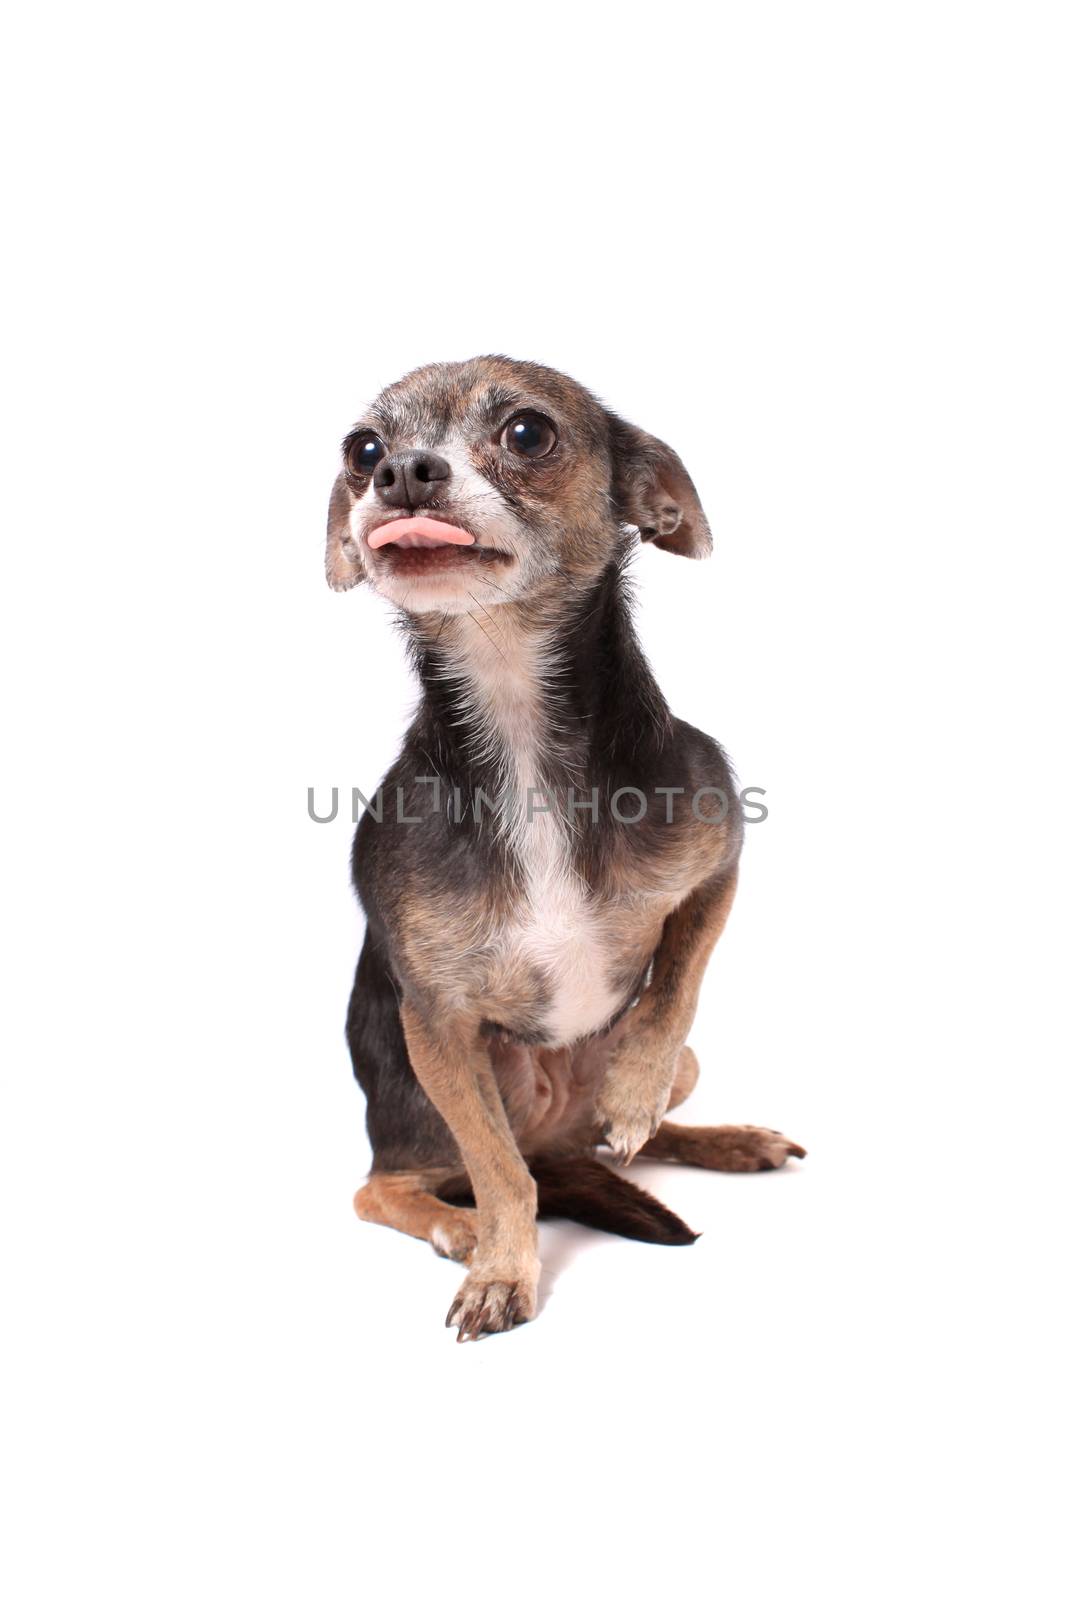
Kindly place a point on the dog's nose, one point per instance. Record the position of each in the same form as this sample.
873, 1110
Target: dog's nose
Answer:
410, 478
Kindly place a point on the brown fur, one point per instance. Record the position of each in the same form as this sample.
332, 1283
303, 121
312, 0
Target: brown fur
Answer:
726, 1149
452, 1064
526, 987
405, 1200
637, 1091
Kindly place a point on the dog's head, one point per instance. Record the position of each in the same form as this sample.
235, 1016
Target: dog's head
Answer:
469, 484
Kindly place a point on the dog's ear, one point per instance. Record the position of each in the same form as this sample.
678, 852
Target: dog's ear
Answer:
343, 566
654, 492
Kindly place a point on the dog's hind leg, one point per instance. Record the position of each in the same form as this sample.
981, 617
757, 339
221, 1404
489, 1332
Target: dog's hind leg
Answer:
725, 1149
722, 1149
686, 1074
405, 1201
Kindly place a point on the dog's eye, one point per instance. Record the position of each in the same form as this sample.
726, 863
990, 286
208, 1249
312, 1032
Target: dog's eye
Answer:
363, 453
529, 434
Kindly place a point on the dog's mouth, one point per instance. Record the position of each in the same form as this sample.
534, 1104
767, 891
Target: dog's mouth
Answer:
415, 547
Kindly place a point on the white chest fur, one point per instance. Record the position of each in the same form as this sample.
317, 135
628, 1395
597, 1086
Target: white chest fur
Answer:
559, 935
557, 930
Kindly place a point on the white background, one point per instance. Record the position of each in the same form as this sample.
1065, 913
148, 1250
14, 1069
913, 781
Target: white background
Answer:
820, 250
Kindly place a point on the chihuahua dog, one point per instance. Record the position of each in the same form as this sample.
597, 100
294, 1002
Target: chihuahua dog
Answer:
549, 863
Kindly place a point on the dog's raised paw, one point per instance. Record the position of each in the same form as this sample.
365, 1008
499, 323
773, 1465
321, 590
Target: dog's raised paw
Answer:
624, 1138
627, 1119
490, 1306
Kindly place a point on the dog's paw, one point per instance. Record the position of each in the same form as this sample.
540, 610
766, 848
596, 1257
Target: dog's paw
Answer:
491, 1305
456, 1239
629, 1112
742, 1149
761, 1149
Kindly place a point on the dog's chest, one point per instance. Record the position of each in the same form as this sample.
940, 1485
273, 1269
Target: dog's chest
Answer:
558, 940
554, 943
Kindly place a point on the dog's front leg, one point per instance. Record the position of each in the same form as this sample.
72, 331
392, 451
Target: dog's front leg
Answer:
451, 1062
637, 1086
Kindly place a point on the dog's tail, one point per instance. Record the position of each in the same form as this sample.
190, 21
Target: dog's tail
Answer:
583, 1189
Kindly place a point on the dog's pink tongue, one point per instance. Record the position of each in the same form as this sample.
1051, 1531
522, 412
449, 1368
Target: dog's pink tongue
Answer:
418, 533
